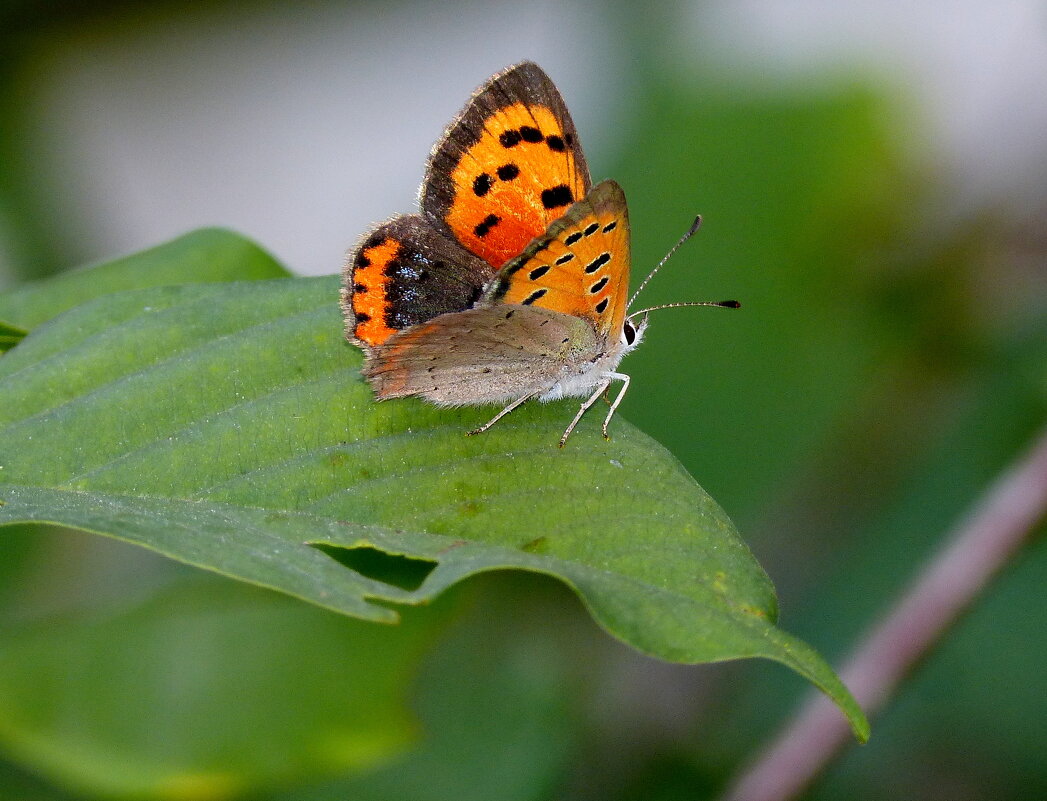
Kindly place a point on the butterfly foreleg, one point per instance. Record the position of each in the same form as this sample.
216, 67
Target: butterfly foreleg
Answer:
584, 408
618, 399
518, 402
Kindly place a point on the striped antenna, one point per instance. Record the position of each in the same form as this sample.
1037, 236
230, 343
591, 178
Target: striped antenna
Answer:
723, 304
691, 232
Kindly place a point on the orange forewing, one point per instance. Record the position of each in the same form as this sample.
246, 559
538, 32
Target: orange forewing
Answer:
580, 266
505, 196
507, 167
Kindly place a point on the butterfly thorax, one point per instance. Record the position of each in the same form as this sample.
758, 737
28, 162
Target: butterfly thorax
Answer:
580, 379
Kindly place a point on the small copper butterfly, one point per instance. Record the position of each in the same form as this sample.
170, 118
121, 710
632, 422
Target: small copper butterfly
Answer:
512, 282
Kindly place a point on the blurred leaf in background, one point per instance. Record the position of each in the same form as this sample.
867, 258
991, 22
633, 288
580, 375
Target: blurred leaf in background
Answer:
206, 256
207, 691
788, 228
887, 362
863, 404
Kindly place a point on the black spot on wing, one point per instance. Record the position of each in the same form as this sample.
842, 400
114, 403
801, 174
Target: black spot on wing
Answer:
610, 226
534, 296
485, 226
510, 138
555, 143
591, 229
601, 306
531, 134
599, 284
538, 272
482, 184
572, 238
557, 196
566, 257
507, 172
598, 262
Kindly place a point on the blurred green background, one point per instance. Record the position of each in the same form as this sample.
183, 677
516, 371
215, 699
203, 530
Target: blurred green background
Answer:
874, 186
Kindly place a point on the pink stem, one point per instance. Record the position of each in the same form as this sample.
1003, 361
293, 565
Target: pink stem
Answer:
998, 527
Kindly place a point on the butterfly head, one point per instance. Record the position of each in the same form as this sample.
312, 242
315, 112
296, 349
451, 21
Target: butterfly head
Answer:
632, 333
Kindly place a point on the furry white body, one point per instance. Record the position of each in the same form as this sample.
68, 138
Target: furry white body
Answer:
582, 381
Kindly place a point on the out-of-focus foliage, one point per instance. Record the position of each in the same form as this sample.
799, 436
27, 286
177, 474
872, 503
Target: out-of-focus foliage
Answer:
207, 256
10, 335
881, 371
208, 690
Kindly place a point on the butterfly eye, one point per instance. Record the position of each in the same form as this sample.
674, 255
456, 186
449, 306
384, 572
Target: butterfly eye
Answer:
629, 333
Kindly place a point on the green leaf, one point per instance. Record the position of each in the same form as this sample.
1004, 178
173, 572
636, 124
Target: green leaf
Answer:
10, 336
204, 256
499, 701
207, 691
227, 426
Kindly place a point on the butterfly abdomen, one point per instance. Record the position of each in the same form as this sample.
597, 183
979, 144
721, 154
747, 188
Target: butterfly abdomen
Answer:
482, 355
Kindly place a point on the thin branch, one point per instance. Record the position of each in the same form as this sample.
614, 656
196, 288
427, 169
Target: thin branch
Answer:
979, 547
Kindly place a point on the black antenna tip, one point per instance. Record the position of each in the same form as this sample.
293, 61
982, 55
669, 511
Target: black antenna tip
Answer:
730, 304
694, 226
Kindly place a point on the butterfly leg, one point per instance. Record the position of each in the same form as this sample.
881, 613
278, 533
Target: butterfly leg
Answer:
584, 408
502, 413
614, 406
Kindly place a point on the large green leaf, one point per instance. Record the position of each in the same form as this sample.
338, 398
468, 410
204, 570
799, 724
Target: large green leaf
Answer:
227, 426
206, 691
210, 254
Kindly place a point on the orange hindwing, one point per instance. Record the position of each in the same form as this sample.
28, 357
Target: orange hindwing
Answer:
404, 273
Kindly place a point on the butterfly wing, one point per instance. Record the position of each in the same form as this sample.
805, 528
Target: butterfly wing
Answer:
579, 266
507, 166
404, 273
478, 356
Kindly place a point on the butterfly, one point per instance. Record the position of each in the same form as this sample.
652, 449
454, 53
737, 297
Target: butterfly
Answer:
512, 282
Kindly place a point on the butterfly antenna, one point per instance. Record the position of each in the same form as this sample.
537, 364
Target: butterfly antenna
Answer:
690, 232
723, 304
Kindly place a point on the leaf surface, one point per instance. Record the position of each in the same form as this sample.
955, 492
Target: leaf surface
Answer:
206, 255
10, 335
227, 426
207, 690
